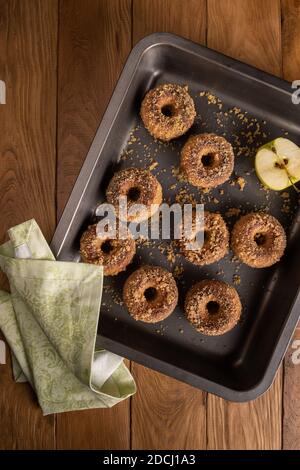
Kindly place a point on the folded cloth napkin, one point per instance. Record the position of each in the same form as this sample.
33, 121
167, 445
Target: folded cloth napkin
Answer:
50, 321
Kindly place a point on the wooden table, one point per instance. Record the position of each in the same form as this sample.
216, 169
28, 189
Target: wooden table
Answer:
60, 61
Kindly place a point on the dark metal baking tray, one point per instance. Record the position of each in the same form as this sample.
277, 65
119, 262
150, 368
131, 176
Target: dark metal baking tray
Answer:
241, 364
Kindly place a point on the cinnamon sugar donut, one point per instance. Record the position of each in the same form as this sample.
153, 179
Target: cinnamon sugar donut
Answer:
215, 240
113, 254
207, 160
140, 187
213, 307
258, 239
168, 111
150, 294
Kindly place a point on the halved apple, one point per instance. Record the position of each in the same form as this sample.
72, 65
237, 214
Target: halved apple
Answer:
277, 164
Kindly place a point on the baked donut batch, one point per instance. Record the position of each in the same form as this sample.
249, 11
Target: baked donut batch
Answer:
207, 160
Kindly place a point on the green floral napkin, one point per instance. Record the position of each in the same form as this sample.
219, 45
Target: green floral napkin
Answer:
50, 321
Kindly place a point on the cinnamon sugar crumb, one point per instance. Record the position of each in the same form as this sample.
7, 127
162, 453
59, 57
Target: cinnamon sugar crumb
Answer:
178, 271
153, 165
241, 182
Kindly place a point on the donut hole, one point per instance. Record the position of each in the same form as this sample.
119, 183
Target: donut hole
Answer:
260, 239
209, 159
168, 110
212, 307
202, 238
107, 247
206, 236
134, 194
150, 294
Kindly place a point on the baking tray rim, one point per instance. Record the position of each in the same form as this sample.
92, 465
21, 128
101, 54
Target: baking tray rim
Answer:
91, 160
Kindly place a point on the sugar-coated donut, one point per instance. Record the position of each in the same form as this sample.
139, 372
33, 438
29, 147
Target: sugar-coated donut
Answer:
140, 187
150, 294
213, 307
113, 254
258, 239
207, 160
215, 240
168, 111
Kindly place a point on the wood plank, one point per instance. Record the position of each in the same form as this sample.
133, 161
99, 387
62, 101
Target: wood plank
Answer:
254, 425
172, 16
290, 10
28, 43
249, 31
94, 41
291, 400
167, 414
22, 423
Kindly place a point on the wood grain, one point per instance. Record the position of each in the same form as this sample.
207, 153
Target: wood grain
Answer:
187, 19
95, 37
290, 10
94, 41
167, 414
291, 399
254, 425
28, 43
249, 31
28, 120
22, 423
